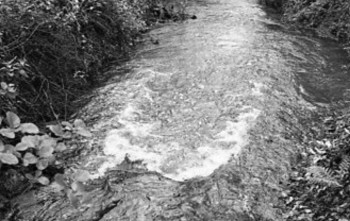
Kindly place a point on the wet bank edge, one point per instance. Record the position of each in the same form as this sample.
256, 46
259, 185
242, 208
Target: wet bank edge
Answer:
247, 188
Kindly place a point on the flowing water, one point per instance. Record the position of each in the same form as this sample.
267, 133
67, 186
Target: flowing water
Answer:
213, 112
189, 103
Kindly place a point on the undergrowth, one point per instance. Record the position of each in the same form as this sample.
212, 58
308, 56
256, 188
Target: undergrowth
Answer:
319, 187
329, 17
52, 51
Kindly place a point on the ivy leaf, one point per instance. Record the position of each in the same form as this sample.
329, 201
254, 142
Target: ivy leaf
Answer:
29, 158
84, 132
79, 123
67, 125
42, 164
60, 147
13, 120
29, 128
46, 147
43, 180
38, 173
30, 177
31, 141
9, 148
8, 158
67, 135
56, 129
22, 146
7, 132
46, 151
81, 128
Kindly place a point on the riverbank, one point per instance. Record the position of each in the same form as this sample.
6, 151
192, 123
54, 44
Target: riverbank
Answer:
318, 188
328, 18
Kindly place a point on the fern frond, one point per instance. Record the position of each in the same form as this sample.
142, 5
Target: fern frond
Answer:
344, 166
322, 176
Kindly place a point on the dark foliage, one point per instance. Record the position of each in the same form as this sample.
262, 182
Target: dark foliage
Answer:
52, 51
319, 187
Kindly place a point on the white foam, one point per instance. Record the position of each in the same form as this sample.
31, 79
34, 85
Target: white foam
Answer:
171, 159
257, 88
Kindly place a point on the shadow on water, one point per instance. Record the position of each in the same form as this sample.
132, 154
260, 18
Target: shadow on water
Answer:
324, 78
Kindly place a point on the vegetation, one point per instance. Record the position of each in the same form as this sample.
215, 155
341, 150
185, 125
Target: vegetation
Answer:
319, 187
52, 51
326, 16
329, 18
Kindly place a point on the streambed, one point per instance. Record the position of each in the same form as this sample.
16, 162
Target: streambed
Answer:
210, 120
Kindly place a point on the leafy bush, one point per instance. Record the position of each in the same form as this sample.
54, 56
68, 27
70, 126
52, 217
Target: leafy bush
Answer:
27, 150
52, 51
319, 187
328, 16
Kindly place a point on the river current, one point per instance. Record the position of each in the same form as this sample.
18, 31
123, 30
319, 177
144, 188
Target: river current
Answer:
188, 103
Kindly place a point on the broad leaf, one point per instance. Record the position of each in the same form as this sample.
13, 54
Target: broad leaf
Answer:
46, 151
67, 125
60, 147
8, 158
29, 158
43, 180
81, 129
47, 141
30, 177
3, 85
13, 120
42, 164
56, 129
78, 123
67, 135
22, 146
31, 141
7, 132
83, 132
38, 173
29, 128
9, 148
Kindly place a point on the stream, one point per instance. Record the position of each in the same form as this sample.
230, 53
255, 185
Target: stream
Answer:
205, 125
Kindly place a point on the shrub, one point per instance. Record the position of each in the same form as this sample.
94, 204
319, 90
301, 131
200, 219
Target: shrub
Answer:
329, 16
51, 51
26, 150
